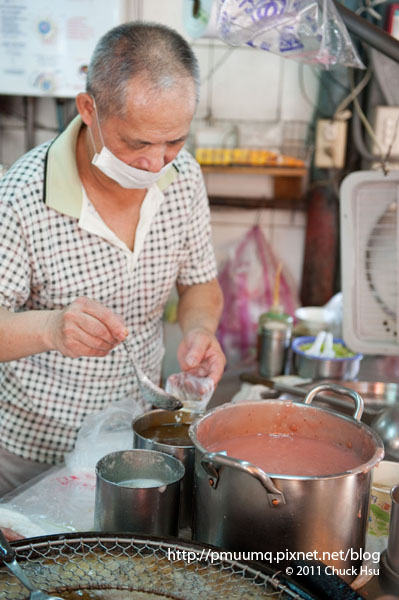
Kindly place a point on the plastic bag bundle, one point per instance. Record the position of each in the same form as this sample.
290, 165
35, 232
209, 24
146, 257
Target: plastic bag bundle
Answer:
60, 500
247, 281
106, 431
193, 392
309, 31
63, 498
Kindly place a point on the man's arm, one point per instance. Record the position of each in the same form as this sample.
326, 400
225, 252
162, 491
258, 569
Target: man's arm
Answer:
199, 310
21, 333
84, 328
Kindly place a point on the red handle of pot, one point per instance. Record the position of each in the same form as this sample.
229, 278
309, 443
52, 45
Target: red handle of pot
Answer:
212, 461
341, 391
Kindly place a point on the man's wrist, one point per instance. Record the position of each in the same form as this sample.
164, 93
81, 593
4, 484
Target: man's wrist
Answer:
205, 329
48, 329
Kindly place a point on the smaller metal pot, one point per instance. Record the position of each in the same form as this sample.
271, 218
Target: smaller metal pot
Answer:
182, 448
138, 491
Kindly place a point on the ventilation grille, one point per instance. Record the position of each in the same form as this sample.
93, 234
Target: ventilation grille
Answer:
370, 261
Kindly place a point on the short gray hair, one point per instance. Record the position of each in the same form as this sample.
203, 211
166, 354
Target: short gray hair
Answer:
137, 48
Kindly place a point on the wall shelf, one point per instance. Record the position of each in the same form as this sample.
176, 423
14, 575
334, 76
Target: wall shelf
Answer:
268, 187
273, 171
254, 203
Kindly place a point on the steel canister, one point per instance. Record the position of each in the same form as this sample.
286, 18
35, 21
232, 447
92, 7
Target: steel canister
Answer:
181, 448
138, 491
275, 338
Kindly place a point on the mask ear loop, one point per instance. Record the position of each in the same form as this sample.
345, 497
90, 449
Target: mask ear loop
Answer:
98, 127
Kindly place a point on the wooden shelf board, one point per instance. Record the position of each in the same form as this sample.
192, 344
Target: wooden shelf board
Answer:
248, 170
236, 202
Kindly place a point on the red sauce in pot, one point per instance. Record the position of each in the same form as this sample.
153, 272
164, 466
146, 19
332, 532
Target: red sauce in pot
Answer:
285, 454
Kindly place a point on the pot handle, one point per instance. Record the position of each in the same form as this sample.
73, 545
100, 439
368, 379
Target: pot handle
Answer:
341, 391
212, 461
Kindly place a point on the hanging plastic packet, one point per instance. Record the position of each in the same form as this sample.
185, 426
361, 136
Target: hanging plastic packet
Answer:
309, 31
194, 392
247, 284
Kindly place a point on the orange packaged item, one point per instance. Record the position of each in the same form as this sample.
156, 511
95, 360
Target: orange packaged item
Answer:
245, 157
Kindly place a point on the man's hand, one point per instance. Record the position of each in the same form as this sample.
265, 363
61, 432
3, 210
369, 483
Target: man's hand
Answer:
84, 328
200, 354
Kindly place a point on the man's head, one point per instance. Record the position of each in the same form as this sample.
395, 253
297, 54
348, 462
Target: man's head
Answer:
150, 51
142, 90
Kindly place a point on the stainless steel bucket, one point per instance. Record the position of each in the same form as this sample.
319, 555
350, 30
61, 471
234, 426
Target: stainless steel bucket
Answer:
240, 507
182, 449
138, 491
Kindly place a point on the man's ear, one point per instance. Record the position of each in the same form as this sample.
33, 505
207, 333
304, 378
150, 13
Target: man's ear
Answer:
85, 106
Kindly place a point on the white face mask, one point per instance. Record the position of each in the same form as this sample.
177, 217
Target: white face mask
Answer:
127, 176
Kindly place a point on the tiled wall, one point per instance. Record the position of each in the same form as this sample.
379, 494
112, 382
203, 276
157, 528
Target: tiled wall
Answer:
247, 84
251, 99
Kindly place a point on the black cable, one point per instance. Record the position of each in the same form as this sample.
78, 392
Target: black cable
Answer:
370, 34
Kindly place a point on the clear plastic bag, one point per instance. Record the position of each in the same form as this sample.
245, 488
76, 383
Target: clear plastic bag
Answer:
194, 392
309, 31
59, 500
63, 498
103, 432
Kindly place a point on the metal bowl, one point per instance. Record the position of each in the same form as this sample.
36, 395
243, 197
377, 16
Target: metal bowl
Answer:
317, 367
377, 396
387, 426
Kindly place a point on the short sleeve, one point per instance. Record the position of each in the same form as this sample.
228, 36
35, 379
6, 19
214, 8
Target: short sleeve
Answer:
199, 264
15, 272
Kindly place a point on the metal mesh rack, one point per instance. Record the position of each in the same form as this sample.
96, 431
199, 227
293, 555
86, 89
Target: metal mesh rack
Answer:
122, 567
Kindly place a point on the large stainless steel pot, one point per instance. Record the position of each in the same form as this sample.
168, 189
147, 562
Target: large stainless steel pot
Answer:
240, 507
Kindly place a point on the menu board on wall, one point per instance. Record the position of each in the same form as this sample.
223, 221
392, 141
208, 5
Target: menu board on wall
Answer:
45, 45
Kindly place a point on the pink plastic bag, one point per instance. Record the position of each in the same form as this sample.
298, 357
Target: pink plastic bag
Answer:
247, 281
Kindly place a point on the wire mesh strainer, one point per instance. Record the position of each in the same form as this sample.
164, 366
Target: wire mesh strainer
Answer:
86, 566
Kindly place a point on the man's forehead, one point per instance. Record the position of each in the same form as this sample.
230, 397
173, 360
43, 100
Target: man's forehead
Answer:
141, 90
136, 138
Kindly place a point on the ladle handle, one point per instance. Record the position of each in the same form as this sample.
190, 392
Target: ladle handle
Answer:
341, 391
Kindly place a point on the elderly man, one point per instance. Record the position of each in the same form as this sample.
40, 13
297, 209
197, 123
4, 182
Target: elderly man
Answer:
96, 228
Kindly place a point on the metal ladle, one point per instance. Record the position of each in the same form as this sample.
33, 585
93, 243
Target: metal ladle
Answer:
151, 392
7, 555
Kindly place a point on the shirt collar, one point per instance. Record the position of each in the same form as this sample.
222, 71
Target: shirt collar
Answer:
62, 185
91, 221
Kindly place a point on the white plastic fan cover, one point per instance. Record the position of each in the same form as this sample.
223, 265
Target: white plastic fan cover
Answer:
369, 213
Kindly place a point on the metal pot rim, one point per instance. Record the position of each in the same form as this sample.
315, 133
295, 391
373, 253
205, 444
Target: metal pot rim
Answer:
168, 458
365, 467
172, 413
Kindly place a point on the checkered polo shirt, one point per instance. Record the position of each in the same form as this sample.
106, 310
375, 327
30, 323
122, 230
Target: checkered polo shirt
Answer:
48, 260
